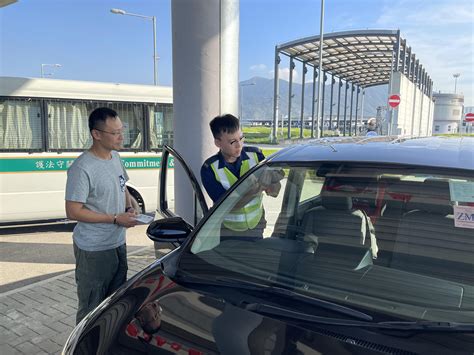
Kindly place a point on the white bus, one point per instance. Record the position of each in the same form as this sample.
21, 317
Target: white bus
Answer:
44, 127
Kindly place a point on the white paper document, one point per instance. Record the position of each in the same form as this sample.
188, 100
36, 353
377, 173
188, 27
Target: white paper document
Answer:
144, 219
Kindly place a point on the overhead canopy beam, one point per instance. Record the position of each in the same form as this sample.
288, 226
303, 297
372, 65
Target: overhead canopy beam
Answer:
352, 55
360, 59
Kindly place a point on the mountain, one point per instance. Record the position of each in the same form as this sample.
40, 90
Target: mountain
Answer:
257, 99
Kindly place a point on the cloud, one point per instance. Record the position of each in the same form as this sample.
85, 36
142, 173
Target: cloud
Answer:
258, 68
441, 36
284, 74
427, 13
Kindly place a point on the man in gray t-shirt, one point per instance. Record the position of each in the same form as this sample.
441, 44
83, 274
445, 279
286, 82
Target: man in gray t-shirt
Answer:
96, 196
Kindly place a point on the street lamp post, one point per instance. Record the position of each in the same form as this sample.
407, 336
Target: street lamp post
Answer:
456, 76
242, 97
48, 65
153, 19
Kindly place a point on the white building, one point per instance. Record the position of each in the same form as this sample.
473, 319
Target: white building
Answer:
448, 110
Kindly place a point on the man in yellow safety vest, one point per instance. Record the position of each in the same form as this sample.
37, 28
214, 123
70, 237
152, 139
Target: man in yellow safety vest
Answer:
223, 169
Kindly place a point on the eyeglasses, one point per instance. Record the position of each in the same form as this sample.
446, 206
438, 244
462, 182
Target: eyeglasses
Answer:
115, 134
240, 140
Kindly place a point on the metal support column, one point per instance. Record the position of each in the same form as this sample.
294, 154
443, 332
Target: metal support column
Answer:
276, 97
302, 100
415, 72
412, 67
345, 109
420, 70
318, 107
420, 86
322, 103
430, 103
290, 95
350, 114
339, 103
409, 62
404, 56
397, 52
362, 111
425, 83
415, 89
357, 110
313, 123
330, 103
390, 109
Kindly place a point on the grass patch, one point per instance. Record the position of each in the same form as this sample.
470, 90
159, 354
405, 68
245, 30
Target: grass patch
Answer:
262, 135
455, 135
267, 152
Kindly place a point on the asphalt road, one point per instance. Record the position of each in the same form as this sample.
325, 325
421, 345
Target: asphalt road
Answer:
31, 254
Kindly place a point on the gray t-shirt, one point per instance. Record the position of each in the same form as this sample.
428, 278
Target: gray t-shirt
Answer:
100, 185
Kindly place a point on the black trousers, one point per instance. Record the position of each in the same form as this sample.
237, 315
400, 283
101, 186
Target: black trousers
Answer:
98, 275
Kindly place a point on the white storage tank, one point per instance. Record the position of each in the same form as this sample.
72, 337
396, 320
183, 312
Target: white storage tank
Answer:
448, 110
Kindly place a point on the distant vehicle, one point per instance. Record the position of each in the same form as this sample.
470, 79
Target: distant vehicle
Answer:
44, 127
368, 249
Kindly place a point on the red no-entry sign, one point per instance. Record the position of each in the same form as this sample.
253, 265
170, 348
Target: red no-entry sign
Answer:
469, 117
394, 100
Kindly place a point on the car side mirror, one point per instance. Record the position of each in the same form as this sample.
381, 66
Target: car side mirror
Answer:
169, 230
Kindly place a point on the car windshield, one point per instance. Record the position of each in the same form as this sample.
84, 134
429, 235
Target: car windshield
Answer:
395, 240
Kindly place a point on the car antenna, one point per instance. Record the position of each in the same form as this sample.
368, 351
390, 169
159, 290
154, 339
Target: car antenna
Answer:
326, 142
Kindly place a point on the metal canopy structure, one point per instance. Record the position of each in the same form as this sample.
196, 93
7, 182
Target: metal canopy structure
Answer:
360, 59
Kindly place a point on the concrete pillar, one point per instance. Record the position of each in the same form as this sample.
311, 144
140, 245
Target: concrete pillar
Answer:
205, 82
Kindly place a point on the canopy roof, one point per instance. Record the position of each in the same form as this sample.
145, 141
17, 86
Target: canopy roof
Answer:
361, 57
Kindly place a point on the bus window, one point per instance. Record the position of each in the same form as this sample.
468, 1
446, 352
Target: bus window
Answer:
20, 125
132, 118
161, 125
68, 125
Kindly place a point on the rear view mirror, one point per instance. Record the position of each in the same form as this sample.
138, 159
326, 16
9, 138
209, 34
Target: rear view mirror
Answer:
169, 230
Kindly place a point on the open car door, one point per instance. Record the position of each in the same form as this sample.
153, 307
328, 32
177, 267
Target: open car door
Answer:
172, 163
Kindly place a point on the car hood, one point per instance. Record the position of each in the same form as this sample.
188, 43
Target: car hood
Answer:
152, 313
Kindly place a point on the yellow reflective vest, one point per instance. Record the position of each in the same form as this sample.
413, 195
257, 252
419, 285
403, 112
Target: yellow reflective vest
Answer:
248, 216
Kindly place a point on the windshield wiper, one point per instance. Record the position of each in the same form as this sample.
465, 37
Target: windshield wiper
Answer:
364, 322
428, 326
419, 326
273, 290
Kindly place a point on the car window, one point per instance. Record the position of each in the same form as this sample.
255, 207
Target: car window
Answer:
397, 240
271, 183
311, 186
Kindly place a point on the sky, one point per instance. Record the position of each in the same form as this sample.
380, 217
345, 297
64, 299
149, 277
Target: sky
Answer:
93, 44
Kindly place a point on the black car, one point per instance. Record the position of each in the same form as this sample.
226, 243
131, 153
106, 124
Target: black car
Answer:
367, 247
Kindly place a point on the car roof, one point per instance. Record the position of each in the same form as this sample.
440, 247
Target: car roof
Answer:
445, 152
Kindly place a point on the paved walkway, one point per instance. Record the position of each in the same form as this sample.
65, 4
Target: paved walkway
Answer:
38, 318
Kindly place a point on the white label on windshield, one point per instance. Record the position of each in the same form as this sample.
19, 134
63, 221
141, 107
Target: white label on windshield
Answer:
464, 217
461, 191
